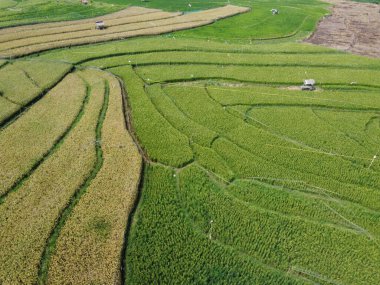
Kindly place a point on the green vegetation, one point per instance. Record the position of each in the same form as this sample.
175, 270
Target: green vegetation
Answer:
259, 158
181, 251
295, 20
170, 146
34, 79
247, 179
269, 153
369, 1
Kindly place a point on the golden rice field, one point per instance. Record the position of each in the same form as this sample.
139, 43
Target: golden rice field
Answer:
134, 21
85, 148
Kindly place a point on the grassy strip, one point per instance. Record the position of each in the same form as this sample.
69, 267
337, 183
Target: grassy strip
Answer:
131, 217
192, 50
7, 107
184, 63
306, 105
56, 145
127, 233
65, 213
212, 79
16, 115
169, 42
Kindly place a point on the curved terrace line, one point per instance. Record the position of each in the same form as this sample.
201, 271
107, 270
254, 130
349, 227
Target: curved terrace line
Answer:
205, 17
16, 115
231, 79
203, 50
102, 35
63, 24
86, 29
66, 211
179, 63
46, 155
279, 164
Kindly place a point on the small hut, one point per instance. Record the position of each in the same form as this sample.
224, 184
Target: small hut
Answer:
308, 85
274, 11
99, 25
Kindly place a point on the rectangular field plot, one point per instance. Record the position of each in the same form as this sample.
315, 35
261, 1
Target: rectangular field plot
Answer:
15, 42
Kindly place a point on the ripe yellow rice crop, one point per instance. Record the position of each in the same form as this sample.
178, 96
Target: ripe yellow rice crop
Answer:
32, 35
168, 23
130, 11
28, 215
7, 108
20, 92
42, 73
89, 31
33, 134
89, 246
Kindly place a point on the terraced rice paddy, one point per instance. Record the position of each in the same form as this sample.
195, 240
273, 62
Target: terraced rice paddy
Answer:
16, 12
190, 161
34, 80
257, 176
352, 26
71, 152
131, 22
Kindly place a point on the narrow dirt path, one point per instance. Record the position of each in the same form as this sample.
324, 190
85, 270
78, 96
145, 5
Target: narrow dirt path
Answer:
352, 26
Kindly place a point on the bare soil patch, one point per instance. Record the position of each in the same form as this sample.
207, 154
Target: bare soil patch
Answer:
352, 26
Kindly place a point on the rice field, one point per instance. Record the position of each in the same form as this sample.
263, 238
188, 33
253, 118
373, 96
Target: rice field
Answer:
91, 239
18, 13
272, 162
129, 23
34, 80
179, 159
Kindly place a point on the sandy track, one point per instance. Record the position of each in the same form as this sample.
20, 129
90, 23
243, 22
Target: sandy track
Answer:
131, 22
352, 26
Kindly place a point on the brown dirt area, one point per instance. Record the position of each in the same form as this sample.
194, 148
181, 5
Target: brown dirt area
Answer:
352, 26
